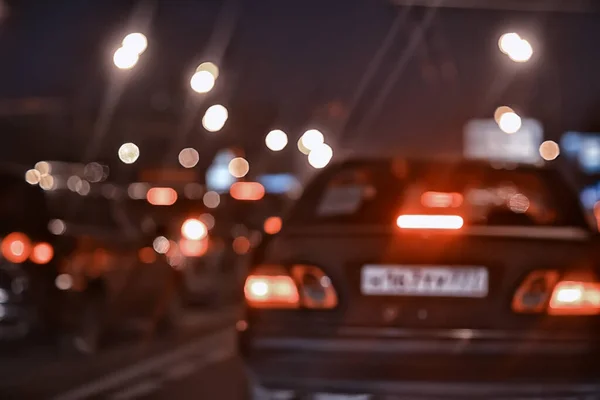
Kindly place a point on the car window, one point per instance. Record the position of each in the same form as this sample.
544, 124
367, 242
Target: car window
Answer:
378, 192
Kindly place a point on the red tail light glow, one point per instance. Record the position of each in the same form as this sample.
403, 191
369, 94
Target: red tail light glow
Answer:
305, 286
430, 222
441, 200
249, 191
271, 291
193, 248
42, 253
16, 247
161, 196
575, 298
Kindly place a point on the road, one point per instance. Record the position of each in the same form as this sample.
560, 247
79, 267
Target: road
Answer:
199, 361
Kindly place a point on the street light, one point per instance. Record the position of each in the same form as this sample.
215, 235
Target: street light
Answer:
133, 45
276, 140
320, 156
312, 138
129, 153
204, 78
510, 122
515, 47
214, 118
136, 42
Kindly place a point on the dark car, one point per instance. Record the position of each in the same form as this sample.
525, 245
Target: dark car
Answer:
75, 267
413, 279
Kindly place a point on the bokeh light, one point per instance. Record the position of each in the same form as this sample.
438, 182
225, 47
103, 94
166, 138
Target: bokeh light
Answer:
125, 58
303, 149
241, 245
272, 225
208, 220
239, 167
508, 41
202, 82
33, 176
161, 245
510, 122
135, 42
522, 52
549, 150
276, 140
312, 139
129, 153
189, 157
320, 156
43, 167
211, 199
57, 227
47, 182
214, 118
500, 111
209, 67
194, 229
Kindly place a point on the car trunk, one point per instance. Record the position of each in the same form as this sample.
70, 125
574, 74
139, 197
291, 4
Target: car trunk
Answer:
507, 260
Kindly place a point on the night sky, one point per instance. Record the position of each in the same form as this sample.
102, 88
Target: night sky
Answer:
290, 64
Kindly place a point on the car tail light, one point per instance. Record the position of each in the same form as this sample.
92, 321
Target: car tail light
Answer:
194, 229
16, 247
575, 298
441, 199
42, 253
533, 294
315, 286
193, 248
271, 288
304, 286
249, 191
415, 221
547, 291
161, 196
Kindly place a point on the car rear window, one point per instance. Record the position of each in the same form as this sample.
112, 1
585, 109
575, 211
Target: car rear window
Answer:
378, 192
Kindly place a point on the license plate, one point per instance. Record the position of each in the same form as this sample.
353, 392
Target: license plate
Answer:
419, 280
333, 396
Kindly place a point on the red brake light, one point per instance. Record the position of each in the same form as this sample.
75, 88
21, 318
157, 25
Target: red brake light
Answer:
42, 253
575, 298
16, 247
305, 286
161, 196
193, 248
441, 200
271, 289
430, 222
250, 191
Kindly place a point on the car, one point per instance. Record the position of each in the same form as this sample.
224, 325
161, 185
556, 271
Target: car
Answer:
76, 267
406, 278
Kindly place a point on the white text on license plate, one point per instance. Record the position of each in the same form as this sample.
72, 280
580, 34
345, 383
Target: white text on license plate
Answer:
421, 280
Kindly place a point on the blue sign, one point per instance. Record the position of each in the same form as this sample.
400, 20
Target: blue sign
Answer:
585, 148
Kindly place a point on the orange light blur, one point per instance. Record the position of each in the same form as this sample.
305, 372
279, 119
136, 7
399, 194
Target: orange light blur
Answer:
16, 247
241, 245
194, 229
575, 298
193, 248
271, 291
597, 213
249, 191
272, 225
42, 253
147, 255
430, 222
161, 196
441, 200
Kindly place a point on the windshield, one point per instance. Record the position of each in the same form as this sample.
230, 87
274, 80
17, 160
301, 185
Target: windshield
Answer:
372, 193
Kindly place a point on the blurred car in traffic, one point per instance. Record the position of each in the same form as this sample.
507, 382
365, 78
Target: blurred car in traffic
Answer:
76, 266
209, 246
427, 279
